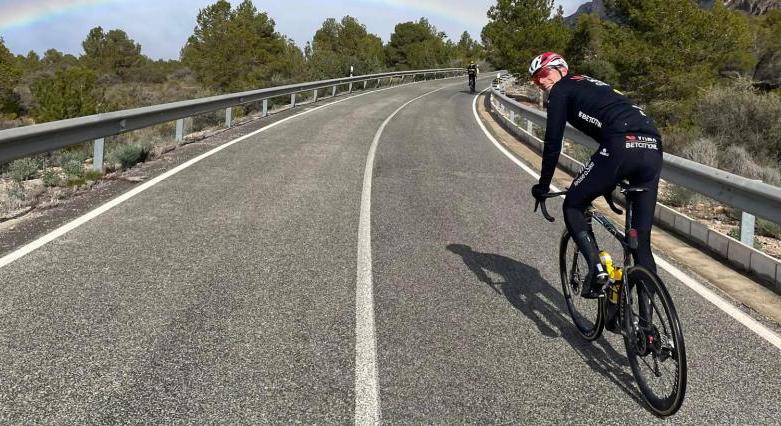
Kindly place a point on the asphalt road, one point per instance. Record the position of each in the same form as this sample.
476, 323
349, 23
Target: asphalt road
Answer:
227, 293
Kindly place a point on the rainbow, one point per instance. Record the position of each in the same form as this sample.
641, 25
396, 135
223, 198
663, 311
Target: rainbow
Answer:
18, 14
14, 14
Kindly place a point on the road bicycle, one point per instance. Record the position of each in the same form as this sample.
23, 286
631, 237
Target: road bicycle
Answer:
635, 304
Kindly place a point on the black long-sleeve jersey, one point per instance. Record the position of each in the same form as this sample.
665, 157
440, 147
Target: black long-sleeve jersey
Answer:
592, 107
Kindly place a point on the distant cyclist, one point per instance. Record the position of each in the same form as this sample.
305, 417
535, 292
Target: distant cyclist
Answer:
630, 147
472, 71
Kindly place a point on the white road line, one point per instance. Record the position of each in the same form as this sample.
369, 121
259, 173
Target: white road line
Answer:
700, 289
64, 229
722, 304
367, 396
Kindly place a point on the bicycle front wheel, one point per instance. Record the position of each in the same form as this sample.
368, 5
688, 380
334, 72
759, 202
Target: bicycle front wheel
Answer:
654, 341
588, 315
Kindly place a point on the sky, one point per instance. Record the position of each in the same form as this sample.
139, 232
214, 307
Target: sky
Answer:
163, 26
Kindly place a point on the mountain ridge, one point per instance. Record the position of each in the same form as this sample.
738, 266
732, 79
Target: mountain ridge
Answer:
752, 7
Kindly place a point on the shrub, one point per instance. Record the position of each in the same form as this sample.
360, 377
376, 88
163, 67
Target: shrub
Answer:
736, 159
73, 168
675, 139
50, 178
71, 154
738, 115
128, 155
70, 92
702, 150
23, 169
767, 229
16, 192
214, 119
678, 196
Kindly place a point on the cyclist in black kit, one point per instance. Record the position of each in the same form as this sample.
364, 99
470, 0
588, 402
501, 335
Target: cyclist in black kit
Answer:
472, 70
630, 148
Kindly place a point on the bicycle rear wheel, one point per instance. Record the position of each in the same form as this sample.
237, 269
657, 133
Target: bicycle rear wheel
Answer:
654, 341
588, 315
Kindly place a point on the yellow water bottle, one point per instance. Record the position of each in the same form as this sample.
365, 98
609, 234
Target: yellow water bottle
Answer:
607, 262
615, 287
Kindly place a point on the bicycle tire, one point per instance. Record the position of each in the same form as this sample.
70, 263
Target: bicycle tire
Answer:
589, 329
653, 342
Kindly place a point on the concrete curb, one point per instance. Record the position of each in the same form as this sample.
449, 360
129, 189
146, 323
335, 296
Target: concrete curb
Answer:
766, 269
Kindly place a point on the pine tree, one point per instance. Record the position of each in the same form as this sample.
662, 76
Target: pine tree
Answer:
417, 45
518, 30
233, 50
9, 76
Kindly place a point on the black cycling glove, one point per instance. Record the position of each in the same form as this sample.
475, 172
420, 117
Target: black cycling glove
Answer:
539, 190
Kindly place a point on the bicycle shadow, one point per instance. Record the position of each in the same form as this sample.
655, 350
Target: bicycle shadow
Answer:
537, 299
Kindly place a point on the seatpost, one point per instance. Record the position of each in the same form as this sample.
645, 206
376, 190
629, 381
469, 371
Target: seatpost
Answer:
630, 233
629, 212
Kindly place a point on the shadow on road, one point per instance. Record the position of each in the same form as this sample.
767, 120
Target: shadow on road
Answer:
537, 299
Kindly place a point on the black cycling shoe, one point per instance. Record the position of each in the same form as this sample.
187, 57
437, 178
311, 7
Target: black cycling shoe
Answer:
597, 287
594, 284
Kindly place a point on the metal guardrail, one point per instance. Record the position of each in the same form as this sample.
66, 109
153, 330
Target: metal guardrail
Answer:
745, 194
36, 139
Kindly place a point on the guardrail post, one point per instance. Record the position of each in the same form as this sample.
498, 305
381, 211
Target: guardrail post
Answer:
542, 100
350, 87
512, 116
333, 91
292, 100
180, 130
314, 95
265, 107
97, 155
365, 82
378, 82
747, 229
228, 117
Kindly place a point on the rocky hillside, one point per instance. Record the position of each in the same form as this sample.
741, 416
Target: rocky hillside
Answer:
754, 7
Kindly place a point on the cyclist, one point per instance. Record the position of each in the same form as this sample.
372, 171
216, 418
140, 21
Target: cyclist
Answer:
630, 147
472, 71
